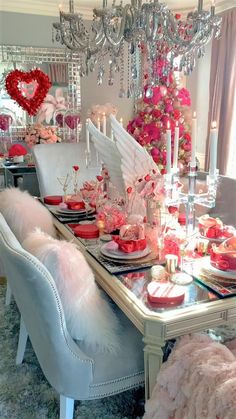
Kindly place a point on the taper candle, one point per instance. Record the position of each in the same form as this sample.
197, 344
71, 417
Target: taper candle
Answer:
168, 148
176, 147
193, 140
213, 149
121, 122
99, 124
87, 138
112, 134
104, 123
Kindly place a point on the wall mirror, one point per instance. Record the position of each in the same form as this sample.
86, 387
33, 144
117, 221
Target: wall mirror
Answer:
61, 67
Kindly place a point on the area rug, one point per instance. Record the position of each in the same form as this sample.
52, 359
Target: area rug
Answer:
25, 393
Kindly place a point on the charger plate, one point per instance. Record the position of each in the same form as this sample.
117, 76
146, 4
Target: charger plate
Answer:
115, 266
208, 269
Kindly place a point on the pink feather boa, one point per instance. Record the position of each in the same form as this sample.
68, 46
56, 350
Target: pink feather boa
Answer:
197, 382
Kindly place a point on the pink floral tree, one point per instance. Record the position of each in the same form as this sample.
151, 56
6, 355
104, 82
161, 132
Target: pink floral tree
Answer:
168, 103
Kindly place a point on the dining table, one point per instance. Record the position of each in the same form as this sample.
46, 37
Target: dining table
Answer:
126, 284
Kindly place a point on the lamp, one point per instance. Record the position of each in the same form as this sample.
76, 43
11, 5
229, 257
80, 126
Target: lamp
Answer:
143, 28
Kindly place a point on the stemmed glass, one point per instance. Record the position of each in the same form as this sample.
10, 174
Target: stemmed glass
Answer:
181, 277
65, 182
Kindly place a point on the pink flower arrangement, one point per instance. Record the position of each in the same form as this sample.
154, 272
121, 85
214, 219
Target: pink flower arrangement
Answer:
112, 215
40, 134
168, 105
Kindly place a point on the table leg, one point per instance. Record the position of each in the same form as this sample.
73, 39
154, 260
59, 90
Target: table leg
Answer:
153, 358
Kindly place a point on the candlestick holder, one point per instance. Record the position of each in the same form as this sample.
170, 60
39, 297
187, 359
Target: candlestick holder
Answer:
175, 197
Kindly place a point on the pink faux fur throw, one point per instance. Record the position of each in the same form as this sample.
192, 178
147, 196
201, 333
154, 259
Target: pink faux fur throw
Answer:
198, 381
89, 316
23, 213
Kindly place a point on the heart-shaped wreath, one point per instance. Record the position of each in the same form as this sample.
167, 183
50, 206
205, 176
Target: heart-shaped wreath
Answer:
14, 86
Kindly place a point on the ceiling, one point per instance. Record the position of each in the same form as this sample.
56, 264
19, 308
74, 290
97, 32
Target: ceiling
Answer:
50, 7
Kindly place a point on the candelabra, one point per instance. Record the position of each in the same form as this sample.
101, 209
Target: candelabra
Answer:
175, 197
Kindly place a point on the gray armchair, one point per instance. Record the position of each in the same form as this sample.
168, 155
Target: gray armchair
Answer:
56, 160
74, 370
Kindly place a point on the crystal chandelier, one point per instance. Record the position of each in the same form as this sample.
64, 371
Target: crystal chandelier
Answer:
147, 30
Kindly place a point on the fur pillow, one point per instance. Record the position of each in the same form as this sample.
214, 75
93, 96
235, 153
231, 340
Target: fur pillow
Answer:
23, 213
89, 317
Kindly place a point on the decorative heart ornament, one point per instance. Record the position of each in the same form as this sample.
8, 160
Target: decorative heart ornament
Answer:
5, 121
28, 89
72, 121
60, 119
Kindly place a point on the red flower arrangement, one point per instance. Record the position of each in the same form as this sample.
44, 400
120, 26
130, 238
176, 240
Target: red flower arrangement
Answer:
168, 104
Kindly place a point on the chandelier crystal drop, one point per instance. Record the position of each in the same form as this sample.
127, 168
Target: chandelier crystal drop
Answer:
145, 33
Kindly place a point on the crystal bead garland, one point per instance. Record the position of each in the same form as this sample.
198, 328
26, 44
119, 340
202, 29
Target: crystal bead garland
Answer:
122, 72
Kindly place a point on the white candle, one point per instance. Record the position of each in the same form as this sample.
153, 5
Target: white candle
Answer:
213, 149
87, 138
194, 139
121, 122
112, 134
99, 124
176, 148
104, 123
168, 148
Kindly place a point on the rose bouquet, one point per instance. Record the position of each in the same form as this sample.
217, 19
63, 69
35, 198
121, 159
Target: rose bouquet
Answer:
41, 134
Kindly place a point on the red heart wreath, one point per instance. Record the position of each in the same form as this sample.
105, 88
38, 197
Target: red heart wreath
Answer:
16, 77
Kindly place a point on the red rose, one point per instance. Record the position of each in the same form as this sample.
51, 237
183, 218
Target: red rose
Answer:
76, 168
176, 114
156, 113
147, 178
172, 209
177, 16
187, 137
99, 178
129, 190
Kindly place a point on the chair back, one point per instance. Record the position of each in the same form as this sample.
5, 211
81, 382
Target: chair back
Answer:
65, 366
53, 161
226, 201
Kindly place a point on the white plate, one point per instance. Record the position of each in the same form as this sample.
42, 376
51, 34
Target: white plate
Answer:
70, 211
118, 254
224, 274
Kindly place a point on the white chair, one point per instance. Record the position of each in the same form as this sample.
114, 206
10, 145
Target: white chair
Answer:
74, 370
54, 161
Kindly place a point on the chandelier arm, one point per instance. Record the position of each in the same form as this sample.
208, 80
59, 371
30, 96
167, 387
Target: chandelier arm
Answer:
121, 35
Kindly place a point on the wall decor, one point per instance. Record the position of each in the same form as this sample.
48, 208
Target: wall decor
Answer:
28, 89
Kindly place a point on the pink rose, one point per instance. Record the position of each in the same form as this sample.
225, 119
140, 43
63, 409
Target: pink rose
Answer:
184, 97
152, 130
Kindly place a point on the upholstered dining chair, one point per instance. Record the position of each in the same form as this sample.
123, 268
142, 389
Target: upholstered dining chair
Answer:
53, 161
74, 370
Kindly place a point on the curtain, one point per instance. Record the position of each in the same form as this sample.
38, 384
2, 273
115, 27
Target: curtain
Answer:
223, 88
58, 74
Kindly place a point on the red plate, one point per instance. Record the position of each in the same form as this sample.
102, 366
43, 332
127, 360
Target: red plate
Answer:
73, 205
165, 293
86, 231
53, 199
